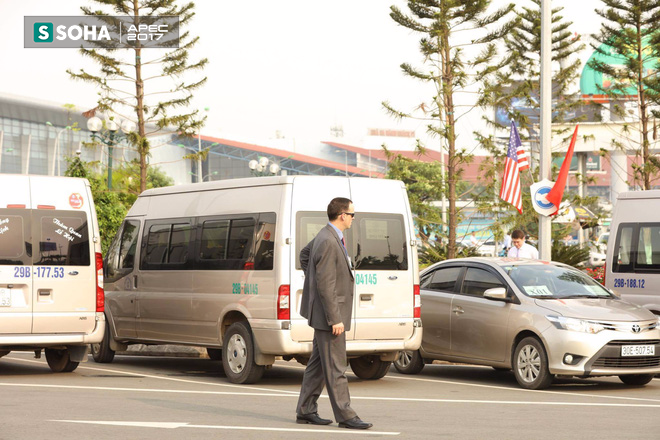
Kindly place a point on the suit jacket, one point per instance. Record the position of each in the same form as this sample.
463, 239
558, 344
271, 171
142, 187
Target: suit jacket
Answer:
327, 297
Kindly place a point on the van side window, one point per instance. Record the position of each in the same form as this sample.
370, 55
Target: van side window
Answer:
227, 244
14, 237
623, 249
264, 247
648, 247
167, 245
121, 254
62, 238
381, 242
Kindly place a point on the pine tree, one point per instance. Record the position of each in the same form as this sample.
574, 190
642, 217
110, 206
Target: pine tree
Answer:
629, 33
521, 81
443, 26
147, 83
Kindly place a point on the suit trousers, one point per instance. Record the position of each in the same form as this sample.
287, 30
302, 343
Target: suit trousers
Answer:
326, 367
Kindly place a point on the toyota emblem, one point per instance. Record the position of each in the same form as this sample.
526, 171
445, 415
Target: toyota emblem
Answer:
636, 328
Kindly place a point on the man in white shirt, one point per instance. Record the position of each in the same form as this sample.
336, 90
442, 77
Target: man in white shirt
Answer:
520, 249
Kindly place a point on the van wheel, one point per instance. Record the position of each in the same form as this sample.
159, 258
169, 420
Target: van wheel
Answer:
238, 355
530, 365
636, 379
101, 352
59, 361
409, 362
369, 367
215, 354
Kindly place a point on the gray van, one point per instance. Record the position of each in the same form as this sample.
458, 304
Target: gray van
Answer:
216, 265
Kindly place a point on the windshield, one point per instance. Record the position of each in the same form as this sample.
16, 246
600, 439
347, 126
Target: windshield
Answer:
546, 281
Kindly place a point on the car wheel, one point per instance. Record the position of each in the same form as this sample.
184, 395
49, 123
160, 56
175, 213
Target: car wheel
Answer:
369, 367
59, 361
530, 365
101, 352
409, 362
238, 355
636, 379
215, 354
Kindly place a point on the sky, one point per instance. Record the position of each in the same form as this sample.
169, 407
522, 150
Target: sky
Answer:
292, 67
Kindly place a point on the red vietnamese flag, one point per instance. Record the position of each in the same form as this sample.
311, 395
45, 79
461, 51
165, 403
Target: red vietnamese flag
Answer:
557, 192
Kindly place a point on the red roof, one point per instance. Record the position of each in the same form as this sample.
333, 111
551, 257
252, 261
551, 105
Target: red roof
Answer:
428, 156
294, 156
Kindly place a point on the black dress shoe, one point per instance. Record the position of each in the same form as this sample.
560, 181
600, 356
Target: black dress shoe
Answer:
312, 419
355, 423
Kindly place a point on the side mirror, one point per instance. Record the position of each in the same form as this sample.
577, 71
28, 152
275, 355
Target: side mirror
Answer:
497, 293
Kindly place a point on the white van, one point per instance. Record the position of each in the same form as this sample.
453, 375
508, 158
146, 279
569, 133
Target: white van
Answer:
633, 249
216, 265
51, 279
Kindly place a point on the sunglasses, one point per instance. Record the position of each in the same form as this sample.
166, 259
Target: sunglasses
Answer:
352, 214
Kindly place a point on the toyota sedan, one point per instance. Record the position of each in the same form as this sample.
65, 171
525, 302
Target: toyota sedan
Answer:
539, 319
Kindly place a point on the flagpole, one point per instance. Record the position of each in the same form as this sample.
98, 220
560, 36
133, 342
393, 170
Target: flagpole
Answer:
545, 225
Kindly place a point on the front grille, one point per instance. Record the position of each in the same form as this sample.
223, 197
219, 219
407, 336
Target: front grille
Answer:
627, 362
635, 342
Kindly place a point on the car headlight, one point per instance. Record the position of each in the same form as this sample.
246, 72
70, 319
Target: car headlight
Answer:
577, 325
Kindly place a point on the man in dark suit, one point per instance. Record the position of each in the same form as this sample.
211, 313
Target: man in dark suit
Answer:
327, 303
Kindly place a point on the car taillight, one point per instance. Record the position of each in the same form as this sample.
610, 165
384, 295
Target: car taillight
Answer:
604, 272
100, 295
417, 302
283, 296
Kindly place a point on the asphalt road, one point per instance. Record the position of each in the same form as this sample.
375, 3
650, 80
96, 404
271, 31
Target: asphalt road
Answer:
173, 398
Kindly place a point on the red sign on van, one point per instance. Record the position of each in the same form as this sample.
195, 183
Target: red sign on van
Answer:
76, 201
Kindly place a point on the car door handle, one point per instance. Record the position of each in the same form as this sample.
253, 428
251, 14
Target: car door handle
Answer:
73, 272
458, 310
392, 277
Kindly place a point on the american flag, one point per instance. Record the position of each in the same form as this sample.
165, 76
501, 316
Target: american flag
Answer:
523, 156
510, 191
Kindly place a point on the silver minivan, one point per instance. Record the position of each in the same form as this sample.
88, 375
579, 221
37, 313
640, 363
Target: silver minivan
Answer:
51, 279
216, 265
540, 319
632, 266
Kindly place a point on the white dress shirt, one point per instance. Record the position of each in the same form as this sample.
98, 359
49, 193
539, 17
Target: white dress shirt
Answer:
525, 251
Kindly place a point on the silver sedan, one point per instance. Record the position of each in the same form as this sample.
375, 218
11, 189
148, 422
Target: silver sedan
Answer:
540, 319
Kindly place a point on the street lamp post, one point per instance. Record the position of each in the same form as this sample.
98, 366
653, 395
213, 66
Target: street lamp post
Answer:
94, 124
345, 160
263, 167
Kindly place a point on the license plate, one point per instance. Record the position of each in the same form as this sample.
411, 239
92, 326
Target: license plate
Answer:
5, 298
638, 350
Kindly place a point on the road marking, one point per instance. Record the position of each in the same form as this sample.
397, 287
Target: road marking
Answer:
174, 425
173, 379
496, 387
353, 397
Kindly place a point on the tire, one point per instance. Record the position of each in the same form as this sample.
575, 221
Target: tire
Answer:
636, 379
59, 361
369, 367
409, 362
101, 352
530, 365
238, 355
215, 354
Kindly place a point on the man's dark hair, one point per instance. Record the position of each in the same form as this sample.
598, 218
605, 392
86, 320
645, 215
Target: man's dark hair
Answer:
337, 206
517, 234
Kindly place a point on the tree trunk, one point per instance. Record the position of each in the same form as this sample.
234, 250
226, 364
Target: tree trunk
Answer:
448, 104
143, 145
646, 170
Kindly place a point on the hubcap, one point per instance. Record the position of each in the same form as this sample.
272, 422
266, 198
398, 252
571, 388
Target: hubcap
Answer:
529, 363
405, 357
236, 354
